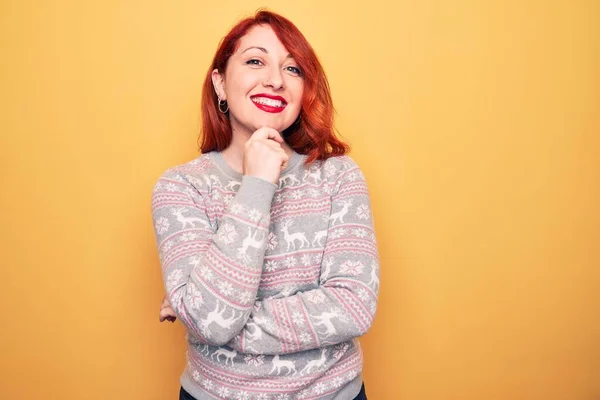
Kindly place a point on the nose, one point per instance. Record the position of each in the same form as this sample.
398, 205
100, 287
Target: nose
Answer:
273, 78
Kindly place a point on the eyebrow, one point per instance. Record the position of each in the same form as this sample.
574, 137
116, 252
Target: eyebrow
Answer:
263, 50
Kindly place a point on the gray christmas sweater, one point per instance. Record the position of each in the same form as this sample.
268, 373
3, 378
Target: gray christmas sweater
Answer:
273, 283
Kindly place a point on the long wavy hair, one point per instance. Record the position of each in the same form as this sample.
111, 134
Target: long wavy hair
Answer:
314, 135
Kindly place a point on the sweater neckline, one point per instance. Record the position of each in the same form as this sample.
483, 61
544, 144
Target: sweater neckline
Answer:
218, 159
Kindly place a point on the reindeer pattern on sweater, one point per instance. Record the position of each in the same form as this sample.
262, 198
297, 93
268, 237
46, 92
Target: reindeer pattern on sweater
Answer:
272, 282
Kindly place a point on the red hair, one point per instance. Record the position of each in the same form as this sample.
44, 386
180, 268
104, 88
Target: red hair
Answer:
314, 135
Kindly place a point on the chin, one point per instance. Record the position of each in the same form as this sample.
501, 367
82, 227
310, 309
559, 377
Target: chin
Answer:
279, 127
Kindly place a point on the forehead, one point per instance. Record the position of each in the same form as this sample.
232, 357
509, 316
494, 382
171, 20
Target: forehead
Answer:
262, 36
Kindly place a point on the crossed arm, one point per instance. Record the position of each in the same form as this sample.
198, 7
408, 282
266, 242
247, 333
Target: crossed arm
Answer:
341, 308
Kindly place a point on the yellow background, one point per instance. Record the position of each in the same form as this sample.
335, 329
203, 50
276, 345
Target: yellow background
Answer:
476, 123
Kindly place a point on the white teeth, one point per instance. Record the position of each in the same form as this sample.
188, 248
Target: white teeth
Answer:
268, 102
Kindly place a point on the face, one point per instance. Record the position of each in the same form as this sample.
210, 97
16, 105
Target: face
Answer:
262, 84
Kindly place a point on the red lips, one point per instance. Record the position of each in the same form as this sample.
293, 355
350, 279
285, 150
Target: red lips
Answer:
269, 108
270, 96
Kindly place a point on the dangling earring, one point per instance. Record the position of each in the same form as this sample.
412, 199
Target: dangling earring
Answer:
221, 102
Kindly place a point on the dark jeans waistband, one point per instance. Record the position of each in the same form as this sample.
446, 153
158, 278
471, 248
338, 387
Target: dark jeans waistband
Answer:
183, 395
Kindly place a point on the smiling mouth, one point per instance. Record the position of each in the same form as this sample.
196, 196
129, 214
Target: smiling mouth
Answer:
268, 104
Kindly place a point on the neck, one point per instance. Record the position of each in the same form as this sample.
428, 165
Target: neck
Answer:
234, 153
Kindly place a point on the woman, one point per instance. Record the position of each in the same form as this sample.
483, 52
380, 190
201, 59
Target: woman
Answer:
266, 240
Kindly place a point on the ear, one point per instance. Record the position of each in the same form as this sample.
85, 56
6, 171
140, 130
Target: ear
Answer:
218, 81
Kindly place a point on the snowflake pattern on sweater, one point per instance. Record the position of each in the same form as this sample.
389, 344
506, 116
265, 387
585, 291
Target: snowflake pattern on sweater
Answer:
272, 282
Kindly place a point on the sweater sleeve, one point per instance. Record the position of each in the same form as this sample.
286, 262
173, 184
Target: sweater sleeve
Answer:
344, 304
211, 275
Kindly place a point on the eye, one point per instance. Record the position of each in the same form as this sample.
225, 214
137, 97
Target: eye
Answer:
294, 70
253, 61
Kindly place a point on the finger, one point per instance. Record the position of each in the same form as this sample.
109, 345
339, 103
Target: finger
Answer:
171, 318
267, 133
284, 160
271, 143
284, 155
167, 310
162, 316
274, 145
166, 313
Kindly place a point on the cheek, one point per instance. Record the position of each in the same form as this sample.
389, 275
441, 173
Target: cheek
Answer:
239, 84
234, 90
246, 83
297, 88
298, 92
